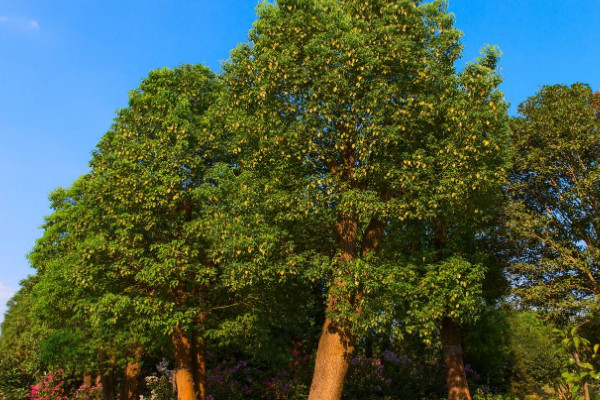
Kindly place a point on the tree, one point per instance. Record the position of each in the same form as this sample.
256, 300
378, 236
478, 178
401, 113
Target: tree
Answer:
142, 195
555, 193
20, 344
345, 115
78, 340
453, 254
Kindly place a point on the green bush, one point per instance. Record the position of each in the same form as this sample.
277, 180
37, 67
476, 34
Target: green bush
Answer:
14, 380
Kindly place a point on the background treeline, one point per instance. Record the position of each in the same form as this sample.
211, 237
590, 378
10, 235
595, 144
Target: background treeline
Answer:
339, 213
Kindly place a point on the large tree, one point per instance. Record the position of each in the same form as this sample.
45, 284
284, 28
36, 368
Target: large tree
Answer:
350, 117
556, 201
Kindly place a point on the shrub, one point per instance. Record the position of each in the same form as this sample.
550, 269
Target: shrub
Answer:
51, 387
88, 393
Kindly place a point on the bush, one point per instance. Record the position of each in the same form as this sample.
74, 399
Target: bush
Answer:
51, 387
14, 380
160, 385
88, 393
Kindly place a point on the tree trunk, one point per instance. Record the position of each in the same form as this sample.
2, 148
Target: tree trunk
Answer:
131, 383
334, 353
199, 365
456, 378
87, 380
336, 344
108, 386
184, 377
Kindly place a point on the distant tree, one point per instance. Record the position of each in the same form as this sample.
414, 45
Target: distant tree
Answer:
20, 344
555, 192
596, 101
75, 340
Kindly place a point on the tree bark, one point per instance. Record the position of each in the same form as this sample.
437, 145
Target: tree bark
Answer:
131, 382
87, 380
108, 386
336, 344
199, 365
184, 376
334, 353
456, 378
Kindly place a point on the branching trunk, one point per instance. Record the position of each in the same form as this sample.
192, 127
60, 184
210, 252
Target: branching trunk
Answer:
456, 378
131, 382
184, 377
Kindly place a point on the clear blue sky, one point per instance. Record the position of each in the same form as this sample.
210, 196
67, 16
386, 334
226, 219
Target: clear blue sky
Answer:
66, 66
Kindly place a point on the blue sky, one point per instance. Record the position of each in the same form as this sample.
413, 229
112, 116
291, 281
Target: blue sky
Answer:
66, 66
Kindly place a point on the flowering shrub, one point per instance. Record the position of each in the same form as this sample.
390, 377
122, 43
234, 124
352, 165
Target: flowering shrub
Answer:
88, 393
366, 379
235, 379
160, 385
393, 376
231, 379
51, 387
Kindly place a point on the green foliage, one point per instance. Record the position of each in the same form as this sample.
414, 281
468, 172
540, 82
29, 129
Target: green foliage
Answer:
488, 346
582, 373
349, 116
537, 358
480, 395
142, 181
339, 157
14, 378
449, 288
21, 336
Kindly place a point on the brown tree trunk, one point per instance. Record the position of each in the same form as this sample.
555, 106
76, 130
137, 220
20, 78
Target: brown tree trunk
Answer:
131, 383
87, 380
199, 365
456, 378
108, 386
334, 353
184, 377
336, 344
